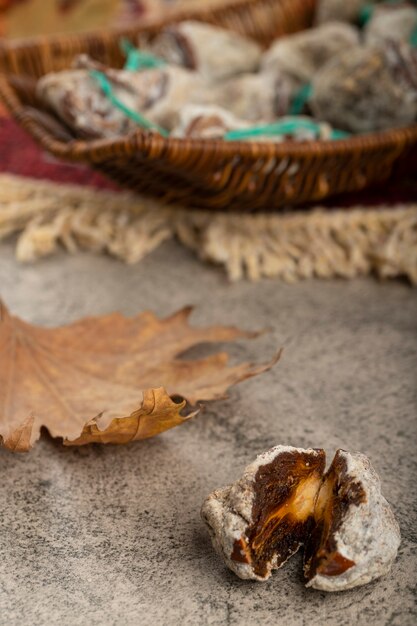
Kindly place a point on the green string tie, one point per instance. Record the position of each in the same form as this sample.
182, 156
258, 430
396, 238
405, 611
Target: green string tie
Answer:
300, 99
413, 38
365, 14
277, 129
107, 89
137, 60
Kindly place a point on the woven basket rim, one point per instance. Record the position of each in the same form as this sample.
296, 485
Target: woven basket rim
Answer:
154, 146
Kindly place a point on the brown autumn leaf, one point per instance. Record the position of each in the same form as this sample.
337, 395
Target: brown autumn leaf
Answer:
108, 379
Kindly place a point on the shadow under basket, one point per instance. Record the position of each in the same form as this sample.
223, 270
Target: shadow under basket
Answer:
211, 174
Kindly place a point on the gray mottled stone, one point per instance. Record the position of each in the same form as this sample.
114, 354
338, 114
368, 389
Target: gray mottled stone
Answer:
103, 536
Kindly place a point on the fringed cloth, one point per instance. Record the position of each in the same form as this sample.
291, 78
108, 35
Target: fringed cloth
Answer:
323, 243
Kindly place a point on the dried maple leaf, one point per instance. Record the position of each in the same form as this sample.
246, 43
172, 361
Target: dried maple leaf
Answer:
107, 379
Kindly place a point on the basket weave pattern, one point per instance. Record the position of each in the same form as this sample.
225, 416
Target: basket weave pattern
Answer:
210, 174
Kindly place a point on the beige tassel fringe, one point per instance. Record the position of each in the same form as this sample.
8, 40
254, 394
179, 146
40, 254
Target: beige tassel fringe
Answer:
323, 243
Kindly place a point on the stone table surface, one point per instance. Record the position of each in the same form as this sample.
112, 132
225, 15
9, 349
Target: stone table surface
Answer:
112, 535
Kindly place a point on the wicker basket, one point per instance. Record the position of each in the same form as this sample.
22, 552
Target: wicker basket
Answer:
204, 173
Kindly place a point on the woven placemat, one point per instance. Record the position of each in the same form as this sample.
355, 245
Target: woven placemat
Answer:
52, 205
316, 243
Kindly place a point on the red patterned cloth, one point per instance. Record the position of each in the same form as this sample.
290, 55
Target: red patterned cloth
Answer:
20, 155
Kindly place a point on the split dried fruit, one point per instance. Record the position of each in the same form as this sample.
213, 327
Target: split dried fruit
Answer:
356, 537
107, 379
284, 500
260, 521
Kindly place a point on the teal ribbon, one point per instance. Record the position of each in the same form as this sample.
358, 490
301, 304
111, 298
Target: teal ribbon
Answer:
107, 89
288, 127
137, 60
300, 99
339, 134
365, 14
413, 39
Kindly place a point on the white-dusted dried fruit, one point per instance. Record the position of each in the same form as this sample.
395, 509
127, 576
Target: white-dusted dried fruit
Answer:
213, 122
257, 523
206, 122
341, 10
158, 94
254, 97
285, 500
356, 537
216, 53
299, 56
368, 88
391, 21
77, 99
